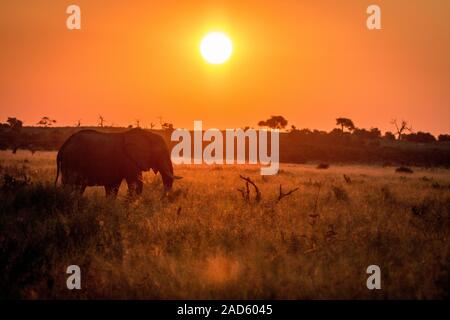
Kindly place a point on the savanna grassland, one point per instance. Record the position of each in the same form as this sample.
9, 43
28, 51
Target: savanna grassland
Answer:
206, 240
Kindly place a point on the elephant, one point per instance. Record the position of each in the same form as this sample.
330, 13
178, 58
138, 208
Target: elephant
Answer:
93, 158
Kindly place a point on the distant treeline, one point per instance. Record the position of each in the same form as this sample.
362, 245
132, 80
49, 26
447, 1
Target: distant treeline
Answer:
296, 146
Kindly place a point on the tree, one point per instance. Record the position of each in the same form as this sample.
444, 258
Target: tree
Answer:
444, 137
46, 122
305, 131
161, 122
400, 129
375, 133
274, 122
420, 137
345, 123
336, 132
389, 136
101, 121
15, 124
138, 123
167, 126
372, 134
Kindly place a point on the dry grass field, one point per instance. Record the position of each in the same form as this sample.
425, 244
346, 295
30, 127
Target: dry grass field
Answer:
207, 241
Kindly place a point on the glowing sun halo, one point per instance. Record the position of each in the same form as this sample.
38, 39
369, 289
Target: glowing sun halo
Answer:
216, 47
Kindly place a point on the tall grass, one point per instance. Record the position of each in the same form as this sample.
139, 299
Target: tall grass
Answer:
205, 241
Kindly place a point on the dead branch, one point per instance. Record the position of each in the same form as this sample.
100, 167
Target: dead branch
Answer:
347, 179
282, 194
247, 188
247, 191
404, 126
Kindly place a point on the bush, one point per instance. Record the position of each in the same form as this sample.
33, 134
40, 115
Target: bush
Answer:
11, 183
404, 170
323, 166
444, 137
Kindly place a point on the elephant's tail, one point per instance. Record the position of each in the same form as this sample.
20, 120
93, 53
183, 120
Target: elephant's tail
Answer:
58, 168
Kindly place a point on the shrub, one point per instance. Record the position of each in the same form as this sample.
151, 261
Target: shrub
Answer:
11, 183
404, 170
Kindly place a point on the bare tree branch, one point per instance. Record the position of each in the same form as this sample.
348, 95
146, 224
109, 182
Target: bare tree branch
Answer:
249, 181
282, 194
347, 179
401, 128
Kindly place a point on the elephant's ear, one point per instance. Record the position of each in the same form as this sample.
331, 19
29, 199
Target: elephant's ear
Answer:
138, 149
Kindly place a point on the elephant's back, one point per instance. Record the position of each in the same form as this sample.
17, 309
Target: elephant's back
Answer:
84, 142
93, 154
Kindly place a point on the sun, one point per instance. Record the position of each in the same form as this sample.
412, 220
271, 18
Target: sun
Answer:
216, 47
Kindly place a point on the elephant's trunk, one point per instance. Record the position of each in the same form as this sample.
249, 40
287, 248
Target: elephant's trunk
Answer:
167, 174
166, 170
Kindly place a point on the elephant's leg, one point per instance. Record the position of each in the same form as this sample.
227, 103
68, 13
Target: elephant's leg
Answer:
135, 184
112, 189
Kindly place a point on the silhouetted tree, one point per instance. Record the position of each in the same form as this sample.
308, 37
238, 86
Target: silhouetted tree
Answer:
371, 134
305, 131
319, 132
274, 122
138, 123
46, 122
419, 137
15, 124
401, 128
444, 137
336, 132
375, 133
345, 123
389, 136
101, 121
161, 122
167, 126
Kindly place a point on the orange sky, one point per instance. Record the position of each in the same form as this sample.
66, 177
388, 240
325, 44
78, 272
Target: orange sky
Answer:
310, 61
